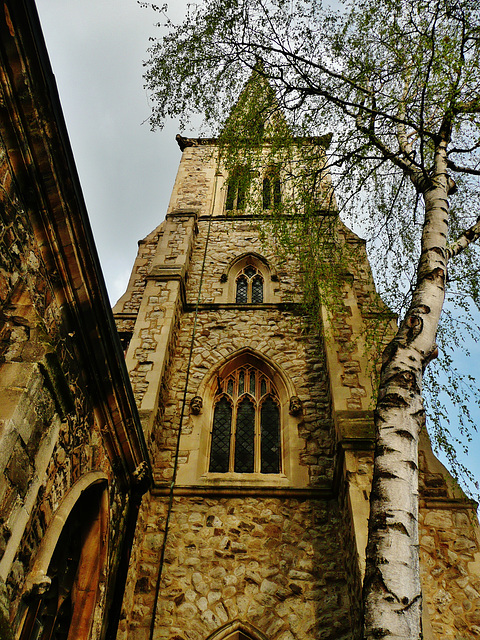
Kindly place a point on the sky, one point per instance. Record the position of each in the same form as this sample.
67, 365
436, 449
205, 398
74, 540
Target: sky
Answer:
97, 48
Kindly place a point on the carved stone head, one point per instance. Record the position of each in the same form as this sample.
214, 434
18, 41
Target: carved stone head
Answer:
196, 404
295, 407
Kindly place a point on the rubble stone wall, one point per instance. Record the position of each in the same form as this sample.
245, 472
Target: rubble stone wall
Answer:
290, 567
49, 437
274, 563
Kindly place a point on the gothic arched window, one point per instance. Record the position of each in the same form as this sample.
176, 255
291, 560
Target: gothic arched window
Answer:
245, 434
249, 286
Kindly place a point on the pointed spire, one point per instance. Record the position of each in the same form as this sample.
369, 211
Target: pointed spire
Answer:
256, 115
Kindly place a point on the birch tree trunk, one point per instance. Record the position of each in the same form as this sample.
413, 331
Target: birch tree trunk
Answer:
392, 591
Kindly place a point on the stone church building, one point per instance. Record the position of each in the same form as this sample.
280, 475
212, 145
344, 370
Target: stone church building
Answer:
260, 434
205, 473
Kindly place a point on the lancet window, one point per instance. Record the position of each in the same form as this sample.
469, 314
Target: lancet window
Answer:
249, 286
272, 195
237, 189
245, 435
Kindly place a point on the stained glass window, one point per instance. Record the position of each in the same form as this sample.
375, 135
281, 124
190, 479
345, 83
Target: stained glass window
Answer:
257, 290
246, 424
241, 382
245, 437
252, 382
270, 436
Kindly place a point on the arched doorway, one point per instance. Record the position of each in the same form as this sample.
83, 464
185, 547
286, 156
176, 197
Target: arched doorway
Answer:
65, 610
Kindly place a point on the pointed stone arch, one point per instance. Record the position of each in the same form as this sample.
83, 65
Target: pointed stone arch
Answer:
197, 441
263, 362
265, 271
237, 630
243, 256
64, 585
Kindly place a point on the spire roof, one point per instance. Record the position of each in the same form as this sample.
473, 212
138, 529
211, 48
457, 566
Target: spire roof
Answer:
257, 114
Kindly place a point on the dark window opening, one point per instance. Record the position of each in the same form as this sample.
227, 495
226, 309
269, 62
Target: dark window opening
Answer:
245, 437
272, 193
125, 337
270, 436
222, 425
242, 290
257, 289
237, 189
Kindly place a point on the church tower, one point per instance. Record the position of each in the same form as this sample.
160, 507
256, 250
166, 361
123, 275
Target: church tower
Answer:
260, 434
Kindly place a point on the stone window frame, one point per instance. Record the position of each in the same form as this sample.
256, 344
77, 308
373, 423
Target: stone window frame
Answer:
230, 391
195, 443
234, 270
237, 630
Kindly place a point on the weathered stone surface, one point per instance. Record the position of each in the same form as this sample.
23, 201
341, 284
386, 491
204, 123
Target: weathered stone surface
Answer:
227, 587
290, 567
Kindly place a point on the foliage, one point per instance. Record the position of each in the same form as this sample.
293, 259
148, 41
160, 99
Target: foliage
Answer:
399, 82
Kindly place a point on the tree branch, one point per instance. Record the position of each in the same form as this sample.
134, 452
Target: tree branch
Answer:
462, 169
467, 237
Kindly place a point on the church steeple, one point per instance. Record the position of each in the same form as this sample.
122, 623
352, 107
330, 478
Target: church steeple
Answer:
257, 115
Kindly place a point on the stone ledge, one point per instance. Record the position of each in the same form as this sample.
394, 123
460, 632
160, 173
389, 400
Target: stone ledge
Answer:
268, 306
355, 425
447, 503
322, 492
182, 213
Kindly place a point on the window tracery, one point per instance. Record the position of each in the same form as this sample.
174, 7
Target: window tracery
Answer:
245, 435
249, 286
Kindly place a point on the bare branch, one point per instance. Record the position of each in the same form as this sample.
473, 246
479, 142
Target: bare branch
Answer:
467, 237
462, 169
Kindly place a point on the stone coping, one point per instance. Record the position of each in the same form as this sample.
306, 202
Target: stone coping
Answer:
447, 503
321, 492
265, 306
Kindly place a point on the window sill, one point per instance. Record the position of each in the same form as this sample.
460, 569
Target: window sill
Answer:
245, 479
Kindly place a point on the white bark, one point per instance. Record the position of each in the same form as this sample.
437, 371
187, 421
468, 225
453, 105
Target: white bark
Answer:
392, 589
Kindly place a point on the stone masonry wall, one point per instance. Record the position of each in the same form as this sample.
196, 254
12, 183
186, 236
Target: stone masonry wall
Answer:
450, 564
274, 563
129, 304
231, 238
290, 567
48, 435
278, 336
